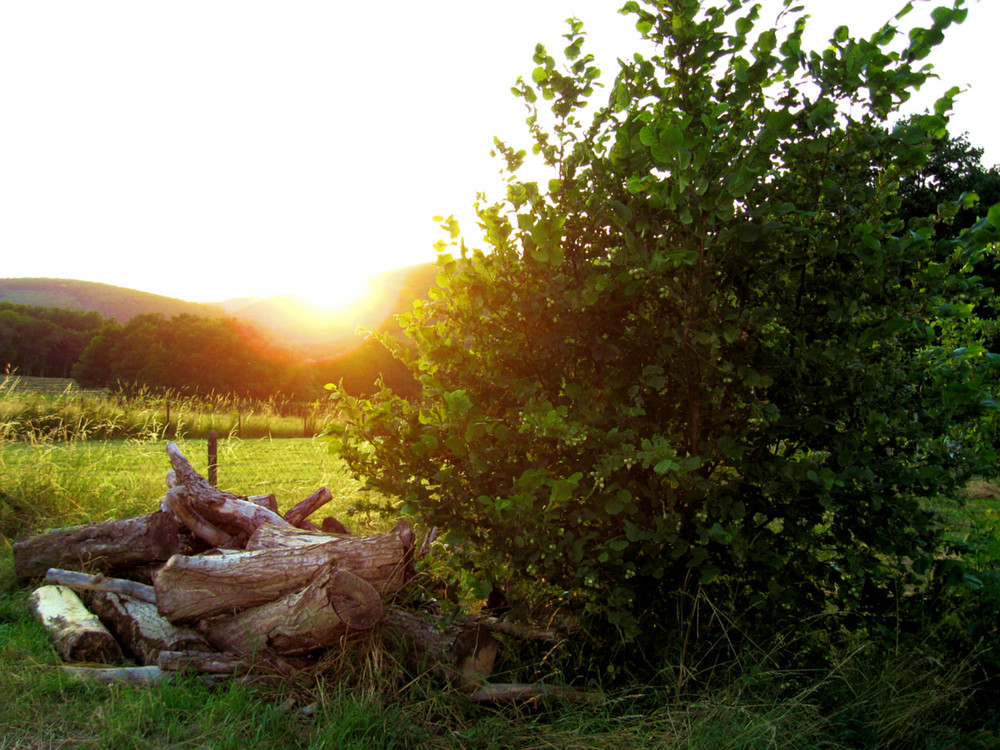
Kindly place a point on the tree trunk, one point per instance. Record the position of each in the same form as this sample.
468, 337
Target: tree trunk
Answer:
462, 653
141, 629
99, 546
192, 588
77, 634
334, 602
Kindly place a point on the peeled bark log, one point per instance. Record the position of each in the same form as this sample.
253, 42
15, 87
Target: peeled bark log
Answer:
297, 515
77, 633
141, 629
100, 582
99, 546
230, 513
192, 588
334, 602
462, 653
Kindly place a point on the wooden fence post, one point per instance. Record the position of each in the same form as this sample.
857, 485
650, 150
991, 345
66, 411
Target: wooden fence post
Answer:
213, 458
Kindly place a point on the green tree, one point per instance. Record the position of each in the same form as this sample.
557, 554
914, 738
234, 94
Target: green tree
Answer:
703, 378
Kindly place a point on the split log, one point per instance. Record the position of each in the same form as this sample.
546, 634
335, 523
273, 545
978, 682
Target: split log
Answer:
195, 587
135, 676
141, 629
99, 546
334, 602
462, 653
100, 582
297, 515
230, 513
77, 634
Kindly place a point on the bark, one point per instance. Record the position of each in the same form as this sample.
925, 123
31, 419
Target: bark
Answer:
461, 653
101, 547
141, 629
192, 588
334, 602
225, 511
177, 502
297, 515
83, 582
77, 634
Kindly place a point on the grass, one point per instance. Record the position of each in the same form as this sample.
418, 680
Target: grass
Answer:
875, 696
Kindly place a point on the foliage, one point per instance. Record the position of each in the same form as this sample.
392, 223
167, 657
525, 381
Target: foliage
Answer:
42, 341
699, 385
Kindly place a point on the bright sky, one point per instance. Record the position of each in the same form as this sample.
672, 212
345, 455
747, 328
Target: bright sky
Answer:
209, 149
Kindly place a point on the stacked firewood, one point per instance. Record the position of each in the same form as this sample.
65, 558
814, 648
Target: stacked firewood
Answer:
220, 583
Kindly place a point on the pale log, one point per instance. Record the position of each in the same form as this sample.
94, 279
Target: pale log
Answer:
462, 653
100, 547
232, 514
77, 634
193, 587
84, 582
334, 602
141, 629
307, 507
134, 676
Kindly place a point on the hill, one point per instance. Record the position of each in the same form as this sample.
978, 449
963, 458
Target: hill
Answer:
108, 300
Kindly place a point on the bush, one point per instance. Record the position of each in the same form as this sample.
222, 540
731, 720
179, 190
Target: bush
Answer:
696, 389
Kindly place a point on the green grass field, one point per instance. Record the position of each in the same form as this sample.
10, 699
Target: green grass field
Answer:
876, 697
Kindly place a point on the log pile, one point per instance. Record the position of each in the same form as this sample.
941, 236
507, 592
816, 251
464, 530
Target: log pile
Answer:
220, 583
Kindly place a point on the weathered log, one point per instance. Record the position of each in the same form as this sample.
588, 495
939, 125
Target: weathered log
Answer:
84, 582
101, 547
141, 629
232, 514
307, 507
178, 503
77, 634
334, 602
333, 525
135, 676
206, 662
462, 653
190, 588
266, 501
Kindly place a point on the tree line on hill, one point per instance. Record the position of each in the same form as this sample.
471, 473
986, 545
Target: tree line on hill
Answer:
187, 354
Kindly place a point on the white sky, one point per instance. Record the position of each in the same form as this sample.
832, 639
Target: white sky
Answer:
208, 149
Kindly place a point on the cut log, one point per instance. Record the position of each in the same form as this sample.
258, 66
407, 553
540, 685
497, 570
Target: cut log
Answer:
265, 501
141, 629
232, 514
100, 582
77, 634
334, 602
99, 546
332, 525
192, 588
461, 653
307, 507
177, 502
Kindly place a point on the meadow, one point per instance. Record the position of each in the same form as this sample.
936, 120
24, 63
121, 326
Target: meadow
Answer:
922, 692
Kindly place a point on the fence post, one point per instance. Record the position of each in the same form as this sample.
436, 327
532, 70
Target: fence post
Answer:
213, 458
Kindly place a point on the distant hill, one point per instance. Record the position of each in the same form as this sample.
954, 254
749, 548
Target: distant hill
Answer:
110, 301
284, 325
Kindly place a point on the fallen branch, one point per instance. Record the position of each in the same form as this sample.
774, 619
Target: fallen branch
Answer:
100, 582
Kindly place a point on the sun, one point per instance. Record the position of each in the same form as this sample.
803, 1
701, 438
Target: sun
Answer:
333, 291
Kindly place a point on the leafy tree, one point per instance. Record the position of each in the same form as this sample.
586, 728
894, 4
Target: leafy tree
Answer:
701, 381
